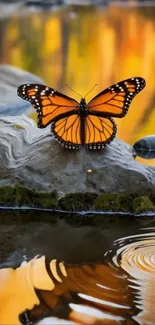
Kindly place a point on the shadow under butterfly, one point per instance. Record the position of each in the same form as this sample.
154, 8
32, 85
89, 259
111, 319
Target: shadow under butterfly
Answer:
77, 123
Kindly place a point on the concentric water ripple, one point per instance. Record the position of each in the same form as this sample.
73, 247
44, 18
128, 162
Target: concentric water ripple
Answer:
136, 256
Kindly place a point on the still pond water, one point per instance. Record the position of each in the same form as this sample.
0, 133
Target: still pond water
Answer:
100, 271
108, 274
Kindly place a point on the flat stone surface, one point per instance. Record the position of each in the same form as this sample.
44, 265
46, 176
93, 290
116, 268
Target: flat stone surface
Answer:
10, 79
31, 156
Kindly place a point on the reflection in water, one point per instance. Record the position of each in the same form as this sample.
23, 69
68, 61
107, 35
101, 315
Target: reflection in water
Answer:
87, 293
136, 256
117, 290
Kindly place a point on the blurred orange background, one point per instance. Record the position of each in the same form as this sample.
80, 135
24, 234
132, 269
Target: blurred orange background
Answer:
82, 46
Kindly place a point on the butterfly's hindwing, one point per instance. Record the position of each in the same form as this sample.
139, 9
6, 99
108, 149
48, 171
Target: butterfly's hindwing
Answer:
67, 131
99, 131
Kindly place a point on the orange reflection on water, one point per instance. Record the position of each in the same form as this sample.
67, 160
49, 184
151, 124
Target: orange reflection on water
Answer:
92, 294
138, 260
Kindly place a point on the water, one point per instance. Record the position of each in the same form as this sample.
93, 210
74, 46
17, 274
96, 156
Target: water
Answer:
109, 261
107, 274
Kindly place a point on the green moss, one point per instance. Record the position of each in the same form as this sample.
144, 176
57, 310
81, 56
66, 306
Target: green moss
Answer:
151, 195
18, 126
77, 201
125, 202
6, 195
142, 204
19, 195
113, 202
48, 200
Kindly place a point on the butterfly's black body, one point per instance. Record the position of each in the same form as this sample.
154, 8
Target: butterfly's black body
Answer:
76, 123
83, 106
82, 112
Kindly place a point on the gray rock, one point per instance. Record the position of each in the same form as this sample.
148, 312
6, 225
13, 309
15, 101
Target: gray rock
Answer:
10, 79
45, 3
87, 2
145, 147
8, 8
33, 157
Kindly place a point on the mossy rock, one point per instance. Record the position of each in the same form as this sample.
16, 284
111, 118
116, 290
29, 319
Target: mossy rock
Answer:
77, 201
114, 202
151, 195
133, 203
142, 204
7, 195
20, 196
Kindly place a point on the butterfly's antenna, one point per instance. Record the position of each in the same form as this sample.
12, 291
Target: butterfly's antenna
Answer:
90, 91
73, 90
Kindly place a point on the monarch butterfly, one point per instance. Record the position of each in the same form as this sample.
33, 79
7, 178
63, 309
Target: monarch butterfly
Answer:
77, 123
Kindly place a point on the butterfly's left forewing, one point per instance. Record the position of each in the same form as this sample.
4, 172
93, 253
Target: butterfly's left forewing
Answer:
49, 103
115, 100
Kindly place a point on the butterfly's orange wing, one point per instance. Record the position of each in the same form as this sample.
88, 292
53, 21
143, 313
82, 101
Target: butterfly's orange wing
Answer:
97, 128
49, 103
100, 128
67, 131
115, 100
99, 131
